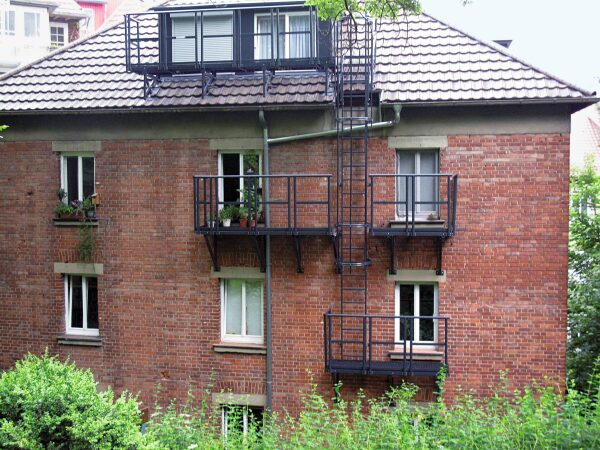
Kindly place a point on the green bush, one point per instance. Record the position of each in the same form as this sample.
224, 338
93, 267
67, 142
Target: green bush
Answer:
47, 404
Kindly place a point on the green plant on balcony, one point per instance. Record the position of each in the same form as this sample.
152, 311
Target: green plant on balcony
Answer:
227, 214
76, 210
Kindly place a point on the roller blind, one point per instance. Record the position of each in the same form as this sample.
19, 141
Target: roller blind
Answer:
217, 47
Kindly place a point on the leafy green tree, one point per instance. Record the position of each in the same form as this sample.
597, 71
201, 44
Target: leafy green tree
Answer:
47, 404
584, 275
335, 9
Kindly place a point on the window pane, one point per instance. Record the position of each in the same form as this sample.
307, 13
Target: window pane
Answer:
427, 307
183, 48
255, 417
428, 190
32, 24
406, 165
233, 305
218, 47
299, 43
263, 25
407, 298
231, 166
88, 176
72, 178
76, 303
92, 306
234, 419
253, 308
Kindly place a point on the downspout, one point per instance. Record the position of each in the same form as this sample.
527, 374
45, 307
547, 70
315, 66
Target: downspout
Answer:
267, 209
330, 133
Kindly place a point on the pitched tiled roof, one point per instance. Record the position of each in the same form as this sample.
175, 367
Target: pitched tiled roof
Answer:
421, 60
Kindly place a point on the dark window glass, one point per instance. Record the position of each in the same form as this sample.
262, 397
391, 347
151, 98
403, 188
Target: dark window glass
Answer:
76, 302
427, 309
407, 298
234, 415
92, 306
72, 178
87, 171
231, 166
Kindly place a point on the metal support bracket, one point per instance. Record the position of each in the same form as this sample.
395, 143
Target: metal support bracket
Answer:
260, 245
336, 254
440, 248
298, 254
207, 79
150, 82
213, 250
267, 77
392, 245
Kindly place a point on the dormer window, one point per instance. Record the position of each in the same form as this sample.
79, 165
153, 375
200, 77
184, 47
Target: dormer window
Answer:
293, 32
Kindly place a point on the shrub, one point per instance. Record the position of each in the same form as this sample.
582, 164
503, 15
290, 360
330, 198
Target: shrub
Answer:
48, 404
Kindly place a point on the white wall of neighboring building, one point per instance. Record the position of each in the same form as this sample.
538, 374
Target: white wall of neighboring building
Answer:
23, 42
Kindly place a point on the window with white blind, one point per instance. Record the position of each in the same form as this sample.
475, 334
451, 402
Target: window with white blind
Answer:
242, 311
81, 305
291, 38
214, 36
32, 24
7, 23
425, 188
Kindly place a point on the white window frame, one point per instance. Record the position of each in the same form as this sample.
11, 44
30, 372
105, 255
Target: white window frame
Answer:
245, 412
64, 176
402, 215
286, 44
85, 331
38, 23
65, 29
243, 337
221, 192
417, 311
4, 15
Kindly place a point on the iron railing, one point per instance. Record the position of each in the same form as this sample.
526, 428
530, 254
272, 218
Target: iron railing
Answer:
368, 342
299, 204
150, 40
399, 206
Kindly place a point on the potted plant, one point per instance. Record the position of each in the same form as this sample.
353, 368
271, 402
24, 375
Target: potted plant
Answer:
64, 210
252, 220
227, 214
243, 217
211, 222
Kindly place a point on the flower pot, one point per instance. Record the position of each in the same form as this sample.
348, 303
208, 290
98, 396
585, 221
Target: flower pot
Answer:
70, 216
226, 222
252, 223
211, 224
243, 223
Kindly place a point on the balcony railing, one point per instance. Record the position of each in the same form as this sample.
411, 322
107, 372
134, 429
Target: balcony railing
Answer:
385, 345
227, 39
298, 204
413, 205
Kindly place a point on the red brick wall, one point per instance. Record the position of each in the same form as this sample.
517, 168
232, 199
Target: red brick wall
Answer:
506, 268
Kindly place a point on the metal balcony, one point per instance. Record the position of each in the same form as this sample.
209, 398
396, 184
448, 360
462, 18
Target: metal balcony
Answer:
413, 205
384, 345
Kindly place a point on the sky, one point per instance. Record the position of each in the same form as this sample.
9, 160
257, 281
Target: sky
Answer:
559, 37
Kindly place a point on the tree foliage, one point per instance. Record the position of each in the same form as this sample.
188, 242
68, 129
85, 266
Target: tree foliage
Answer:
47, 404
335, 9
584, 275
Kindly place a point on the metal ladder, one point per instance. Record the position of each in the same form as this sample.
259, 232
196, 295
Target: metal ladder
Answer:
354, 70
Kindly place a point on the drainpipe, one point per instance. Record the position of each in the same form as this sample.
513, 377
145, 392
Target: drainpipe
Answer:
329, 133
266, 199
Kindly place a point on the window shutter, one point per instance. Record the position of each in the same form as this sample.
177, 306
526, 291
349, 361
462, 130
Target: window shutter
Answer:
183, 50
218, 48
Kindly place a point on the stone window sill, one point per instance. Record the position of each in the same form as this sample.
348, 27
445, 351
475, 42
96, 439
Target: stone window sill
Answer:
85, 341
419, 355
234, 347
74, 223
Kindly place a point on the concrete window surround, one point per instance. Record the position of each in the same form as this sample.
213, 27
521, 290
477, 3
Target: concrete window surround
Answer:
416, 276
240, 348
241, 273
78, 147
236, 144
79, 268
228, 398
417, 142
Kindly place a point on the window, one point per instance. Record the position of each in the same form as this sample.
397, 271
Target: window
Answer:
425, 190
240, 418
237, 164
292, 36
7, 23
32, 24
58, 33
242, 311
81, 305
78, 176
416, 300
214, 36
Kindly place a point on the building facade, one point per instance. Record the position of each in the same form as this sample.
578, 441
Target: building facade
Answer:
390, 221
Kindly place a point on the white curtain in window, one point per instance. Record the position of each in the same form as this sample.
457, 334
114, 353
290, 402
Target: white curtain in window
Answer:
299, 43
233, 305
253, 308
427, 188
263, 25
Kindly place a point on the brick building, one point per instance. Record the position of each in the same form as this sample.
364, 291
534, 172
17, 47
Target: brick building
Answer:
443, 245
